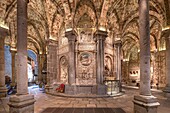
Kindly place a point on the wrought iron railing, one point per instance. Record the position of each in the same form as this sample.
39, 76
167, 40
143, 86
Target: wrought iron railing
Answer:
113, 86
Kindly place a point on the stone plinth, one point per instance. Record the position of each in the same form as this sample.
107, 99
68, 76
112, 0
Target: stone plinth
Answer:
145, 104
21, 104
70, 89
86, 89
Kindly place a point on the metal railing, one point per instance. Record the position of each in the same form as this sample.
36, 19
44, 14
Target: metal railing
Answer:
113, 86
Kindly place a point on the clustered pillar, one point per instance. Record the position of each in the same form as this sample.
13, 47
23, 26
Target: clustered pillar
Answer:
100, 37
118, 45
144, 102
71, 35
22, 101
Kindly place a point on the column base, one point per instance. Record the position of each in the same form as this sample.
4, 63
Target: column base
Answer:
21, 104
101, 89
167, 92
145, 104
3, 91
13, 84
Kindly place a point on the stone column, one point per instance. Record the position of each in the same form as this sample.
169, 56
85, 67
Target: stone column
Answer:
118, 45
13, 53
100, 37
52, 61
3, 90
22, 102
40, 61
167, 88
71, 35
51, 65
127, 71
144, 102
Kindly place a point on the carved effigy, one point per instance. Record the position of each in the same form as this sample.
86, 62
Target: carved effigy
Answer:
108, 67
63, 70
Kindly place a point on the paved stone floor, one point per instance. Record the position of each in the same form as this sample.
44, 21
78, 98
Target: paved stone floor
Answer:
44, 101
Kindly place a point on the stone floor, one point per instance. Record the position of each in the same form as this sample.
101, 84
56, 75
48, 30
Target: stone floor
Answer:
44, 101
83, 110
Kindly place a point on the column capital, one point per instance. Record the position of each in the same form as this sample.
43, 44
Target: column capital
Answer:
52, 42
100, 35
71, 35
118, 43
3, 32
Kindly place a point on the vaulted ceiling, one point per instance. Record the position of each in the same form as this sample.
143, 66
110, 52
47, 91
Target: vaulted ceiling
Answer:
50, 18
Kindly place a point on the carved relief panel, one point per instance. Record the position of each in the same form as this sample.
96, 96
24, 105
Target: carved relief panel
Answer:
85, 69
86, 64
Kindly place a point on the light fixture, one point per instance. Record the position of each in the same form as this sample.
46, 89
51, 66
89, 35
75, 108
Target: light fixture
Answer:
166, 28
68, 29
13, 49
102, 28
52, 38
3, 25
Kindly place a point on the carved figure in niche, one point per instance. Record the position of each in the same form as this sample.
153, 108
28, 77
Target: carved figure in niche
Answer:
108, 66
85, 59
63, 69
